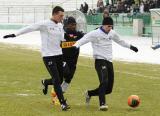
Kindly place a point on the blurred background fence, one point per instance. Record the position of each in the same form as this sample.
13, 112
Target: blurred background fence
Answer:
27, 14
24, 13
119, 18
33, 13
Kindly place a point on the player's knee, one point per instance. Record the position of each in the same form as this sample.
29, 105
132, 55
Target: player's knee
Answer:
104, 85
108, 91
105, 82
66, 70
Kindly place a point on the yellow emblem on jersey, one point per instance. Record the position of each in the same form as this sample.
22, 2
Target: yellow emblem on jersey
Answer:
65, 44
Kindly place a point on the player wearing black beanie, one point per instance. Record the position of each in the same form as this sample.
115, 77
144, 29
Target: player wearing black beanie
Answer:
101, 40
107, 21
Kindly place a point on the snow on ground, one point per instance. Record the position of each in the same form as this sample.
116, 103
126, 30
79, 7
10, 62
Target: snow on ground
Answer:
145, 54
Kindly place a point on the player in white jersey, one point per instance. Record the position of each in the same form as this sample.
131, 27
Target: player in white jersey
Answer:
52, 34
101, 40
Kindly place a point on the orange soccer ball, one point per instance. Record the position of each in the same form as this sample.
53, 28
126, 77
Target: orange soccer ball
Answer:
133, 101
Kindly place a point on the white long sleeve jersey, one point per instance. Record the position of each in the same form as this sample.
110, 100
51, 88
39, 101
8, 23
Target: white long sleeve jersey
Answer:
102, 43
51, 36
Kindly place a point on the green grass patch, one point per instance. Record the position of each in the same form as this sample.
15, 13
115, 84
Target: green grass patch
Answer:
21, 71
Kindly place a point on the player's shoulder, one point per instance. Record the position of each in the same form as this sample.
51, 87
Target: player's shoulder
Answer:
44, 21
60, 24
93, 33
97, 31
50, 22
113, 32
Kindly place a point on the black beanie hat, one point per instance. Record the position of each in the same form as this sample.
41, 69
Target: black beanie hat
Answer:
107, 21
69, 20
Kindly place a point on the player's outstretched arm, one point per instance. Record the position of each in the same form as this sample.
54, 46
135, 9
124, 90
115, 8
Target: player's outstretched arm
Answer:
135, 49
9, 36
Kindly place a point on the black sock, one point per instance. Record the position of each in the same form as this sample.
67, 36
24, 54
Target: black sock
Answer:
48, 82
93, 92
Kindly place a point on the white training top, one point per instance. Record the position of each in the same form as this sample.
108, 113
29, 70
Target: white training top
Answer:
51, 36
101, 43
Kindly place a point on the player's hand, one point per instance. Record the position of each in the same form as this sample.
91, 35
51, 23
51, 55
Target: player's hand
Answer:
135, 49
74, 47
8, 36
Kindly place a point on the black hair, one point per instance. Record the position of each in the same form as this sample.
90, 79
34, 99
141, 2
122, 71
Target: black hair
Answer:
69, 20
56, 9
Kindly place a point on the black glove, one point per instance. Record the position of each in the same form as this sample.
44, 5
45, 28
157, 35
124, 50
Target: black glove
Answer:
10, 35
134, 48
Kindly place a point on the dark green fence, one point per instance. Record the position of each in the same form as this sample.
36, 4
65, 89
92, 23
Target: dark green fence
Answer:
123, 22
119, 19
94, 19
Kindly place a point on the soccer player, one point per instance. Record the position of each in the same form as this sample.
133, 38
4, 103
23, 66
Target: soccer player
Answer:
52, 34
70, 54
101, 40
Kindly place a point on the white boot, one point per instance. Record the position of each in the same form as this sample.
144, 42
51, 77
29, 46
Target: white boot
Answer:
64, 86
88, 98
103, 107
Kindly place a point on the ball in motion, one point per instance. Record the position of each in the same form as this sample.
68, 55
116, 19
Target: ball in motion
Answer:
133, 101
